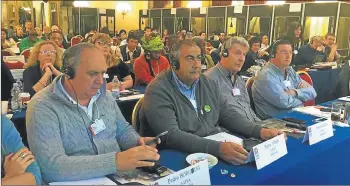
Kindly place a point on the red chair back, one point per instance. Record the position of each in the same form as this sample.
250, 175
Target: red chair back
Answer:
26, 54
75, 40
15, 65
249, 85
6, 53
306, 77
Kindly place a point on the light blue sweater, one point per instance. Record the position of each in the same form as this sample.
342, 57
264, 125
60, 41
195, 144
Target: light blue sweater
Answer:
11, 141
59, 135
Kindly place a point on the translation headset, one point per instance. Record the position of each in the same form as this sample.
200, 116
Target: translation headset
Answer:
67, 68
148, 61
224, 52
175, 63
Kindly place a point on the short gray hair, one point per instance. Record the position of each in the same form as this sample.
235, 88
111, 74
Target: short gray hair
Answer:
175, 50
71, 57
233, 40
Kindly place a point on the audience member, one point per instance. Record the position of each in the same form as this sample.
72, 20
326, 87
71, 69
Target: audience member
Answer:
294, 35
147, 35
253, 57
18, 164
123, 37
115, 67
44, 63
203, 35
151, 63
207, 62
165, 35
309, 54
6, 82
277, 87
40, 33
64, 41
264, 42
46, 31
331, 48
232, 87
76, 130
19, 34
193, 108
29, 41
57, 37
6, 43
28, 26
130, 51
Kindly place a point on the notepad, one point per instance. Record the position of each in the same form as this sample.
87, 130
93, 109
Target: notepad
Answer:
93, 181
132, 97
225, 137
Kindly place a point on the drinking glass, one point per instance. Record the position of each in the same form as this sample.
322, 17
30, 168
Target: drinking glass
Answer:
337, 111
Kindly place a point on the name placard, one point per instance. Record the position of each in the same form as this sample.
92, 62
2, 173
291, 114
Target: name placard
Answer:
268, 151
197, 174
318, 132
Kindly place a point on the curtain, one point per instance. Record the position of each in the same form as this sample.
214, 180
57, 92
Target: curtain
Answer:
177, 4
221, 3
254, 2
160, 4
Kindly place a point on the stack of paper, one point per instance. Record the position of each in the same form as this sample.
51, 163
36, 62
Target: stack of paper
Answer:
313, 111
93, 181
132, 97
224, 137
347, 99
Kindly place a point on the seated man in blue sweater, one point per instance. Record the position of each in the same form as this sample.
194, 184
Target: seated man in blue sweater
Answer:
190, 107
76, 129
277, 87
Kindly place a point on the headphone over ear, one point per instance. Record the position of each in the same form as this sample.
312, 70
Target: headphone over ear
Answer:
224, 52
67, 69
175, 63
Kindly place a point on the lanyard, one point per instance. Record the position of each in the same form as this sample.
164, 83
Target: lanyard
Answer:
233, 83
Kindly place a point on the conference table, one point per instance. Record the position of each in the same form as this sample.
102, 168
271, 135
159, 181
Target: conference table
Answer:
126, 107
326, 162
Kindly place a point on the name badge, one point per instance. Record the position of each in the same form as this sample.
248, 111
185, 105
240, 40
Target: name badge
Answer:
268, 151
295, 52
236, 92
105, 75
204, 67
197, 174
287, 83
318, 132
97, 127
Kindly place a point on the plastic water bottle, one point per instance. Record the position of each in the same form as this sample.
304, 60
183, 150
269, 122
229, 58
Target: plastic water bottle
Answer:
347, 113
16, 102
20, 85
115, 89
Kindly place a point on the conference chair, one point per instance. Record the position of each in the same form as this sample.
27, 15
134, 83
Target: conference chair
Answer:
135, 115
249, 85
75, 40
26, 54
306, 77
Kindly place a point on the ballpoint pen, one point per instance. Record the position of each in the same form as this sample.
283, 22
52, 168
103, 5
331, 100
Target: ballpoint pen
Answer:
294, 131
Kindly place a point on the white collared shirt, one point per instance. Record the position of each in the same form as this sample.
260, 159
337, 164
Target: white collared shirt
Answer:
88, 109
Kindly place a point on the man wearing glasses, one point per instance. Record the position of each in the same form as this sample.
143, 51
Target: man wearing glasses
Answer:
30, 41
277, 87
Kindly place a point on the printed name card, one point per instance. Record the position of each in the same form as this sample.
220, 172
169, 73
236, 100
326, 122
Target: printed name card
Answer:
268, 151
197, 174
318, 132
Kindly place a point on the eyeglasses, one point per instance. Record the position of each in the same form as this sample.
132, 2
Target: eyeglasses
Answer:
283, 52
47, 52
105, 43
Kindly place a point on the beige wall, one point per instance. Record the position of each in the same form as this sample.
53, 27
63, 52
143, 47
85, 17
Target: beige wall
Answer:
131, 20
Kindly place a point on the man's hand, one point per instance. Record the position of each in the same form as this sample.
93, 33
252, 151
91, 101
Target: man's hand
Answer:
266, 134
302, 84
144, 140
262, 53
291, 92
233, 153
139, 156
334, 47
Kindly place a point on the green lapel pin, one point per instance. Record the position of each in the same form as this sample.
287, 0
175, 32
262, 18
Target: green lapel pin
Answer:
207, 108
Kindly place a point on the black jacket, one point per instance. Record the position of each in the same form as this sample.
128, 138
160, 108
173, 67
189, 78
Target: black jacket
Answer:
6, 82
341, 88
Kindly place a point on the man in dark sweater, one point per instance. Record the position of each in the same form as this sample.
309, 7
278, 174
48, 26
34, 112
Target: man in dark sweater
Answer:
189, 106
309, 54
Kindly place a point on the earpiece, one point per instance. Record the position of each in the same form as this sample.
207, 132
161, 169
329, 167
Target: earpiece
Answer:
225, 52
68, 70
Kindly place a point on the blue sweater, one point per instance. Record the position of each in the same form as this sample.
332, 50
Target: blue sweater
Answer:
59, 135
11, 141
